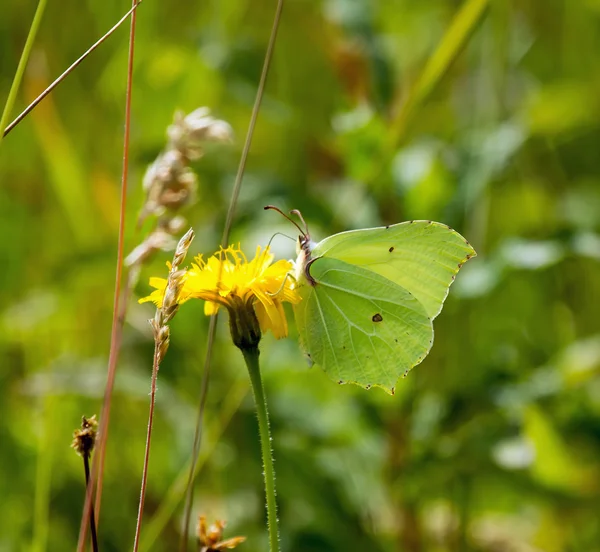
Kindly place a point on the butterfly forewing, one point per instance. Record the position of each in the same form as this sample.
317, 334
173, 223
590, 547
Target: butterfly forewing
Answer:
422, 257
359, 326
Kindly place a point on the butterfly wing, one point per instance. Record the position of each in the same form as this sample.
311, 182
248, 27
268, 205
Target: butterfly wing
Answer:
421, 256
360, 327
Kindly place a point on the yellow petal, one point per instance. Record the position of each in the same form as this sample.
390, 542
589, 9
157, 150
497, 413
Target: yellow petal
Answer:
210, 308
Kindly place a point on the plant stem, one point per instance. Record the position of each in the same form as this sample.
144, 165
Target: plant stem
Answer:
86, 467
224, 242
138, 525
189, 492
251, 358
119, 302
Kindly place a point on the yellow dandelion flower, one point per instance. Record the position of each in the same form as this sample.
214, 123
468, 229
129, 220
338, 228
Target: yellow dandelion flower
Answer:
228, 279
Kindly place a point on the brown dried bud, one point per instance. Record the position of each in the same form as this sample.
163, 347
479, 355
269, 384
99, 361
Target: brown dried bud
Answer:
210, 538
84, 439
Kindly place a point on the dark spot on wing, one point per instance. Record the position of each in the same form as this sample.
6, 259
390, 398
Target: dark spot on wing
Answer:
341, 382
377, 318
396, 340
393, 390
368, 386
387, 226
391, 249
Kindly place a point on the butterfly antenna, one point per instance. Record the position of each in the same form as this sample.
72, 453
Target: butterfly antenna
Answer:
299, 215
280, 234
273, 208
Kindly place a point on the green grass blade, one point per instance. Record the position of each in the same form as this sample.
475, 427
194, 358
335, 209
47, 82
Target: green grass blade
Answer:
16, 83
454, 39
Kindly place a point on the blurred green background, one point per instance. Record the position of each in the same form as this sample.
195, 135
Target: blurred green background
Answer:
487, 119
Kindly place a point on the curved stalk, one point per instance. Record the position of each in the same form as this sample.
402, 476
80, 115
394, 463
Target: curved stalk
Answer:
251, 358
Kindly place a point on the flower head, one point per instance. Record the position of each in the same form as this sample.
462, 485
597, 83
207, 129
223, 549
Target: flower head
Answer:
256, 288
210, 538
84, 439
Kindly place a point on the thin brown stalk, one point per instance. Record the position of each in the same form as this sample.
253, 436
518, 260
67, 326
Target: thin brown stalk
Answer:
71, 67
86, 468
164, 314
117, 321
138, 525
189, 493
224, 242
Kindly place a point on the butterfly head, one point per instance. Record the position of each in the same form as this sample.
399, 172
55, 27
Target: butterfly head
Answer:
304, 245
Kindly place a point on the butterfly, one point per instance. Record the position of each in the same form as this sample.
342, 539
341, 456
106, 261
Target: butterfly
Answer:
369, 297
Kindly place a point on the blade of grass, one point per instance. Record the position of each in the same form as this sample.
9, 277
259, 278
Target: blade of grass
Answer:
58, 80
16, 83
117, 321
462, 26
224, 242
456, 36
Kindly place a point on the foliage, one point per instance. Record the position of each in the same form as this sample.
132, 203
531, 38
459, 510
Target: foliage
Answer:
492, 443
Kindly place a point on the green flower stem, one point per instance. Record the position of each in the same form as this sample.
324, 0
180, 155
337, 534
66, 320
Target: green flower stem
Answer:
251, 358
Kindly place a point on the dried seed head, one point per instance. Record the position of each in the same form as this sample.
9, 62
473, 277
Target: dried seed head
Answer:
173, 225
84, 439
157, 240
161, 239
169, 184
189, 132
162, 340
182, 249
170, 304
210, 538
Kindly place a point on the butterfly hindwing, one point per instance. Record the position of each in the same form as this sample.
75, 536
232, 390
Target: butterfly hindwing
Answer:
421, 256
359, 326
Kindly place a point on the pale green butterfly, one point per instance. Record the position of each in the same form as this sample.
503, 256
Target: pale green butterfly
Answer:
369, 297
